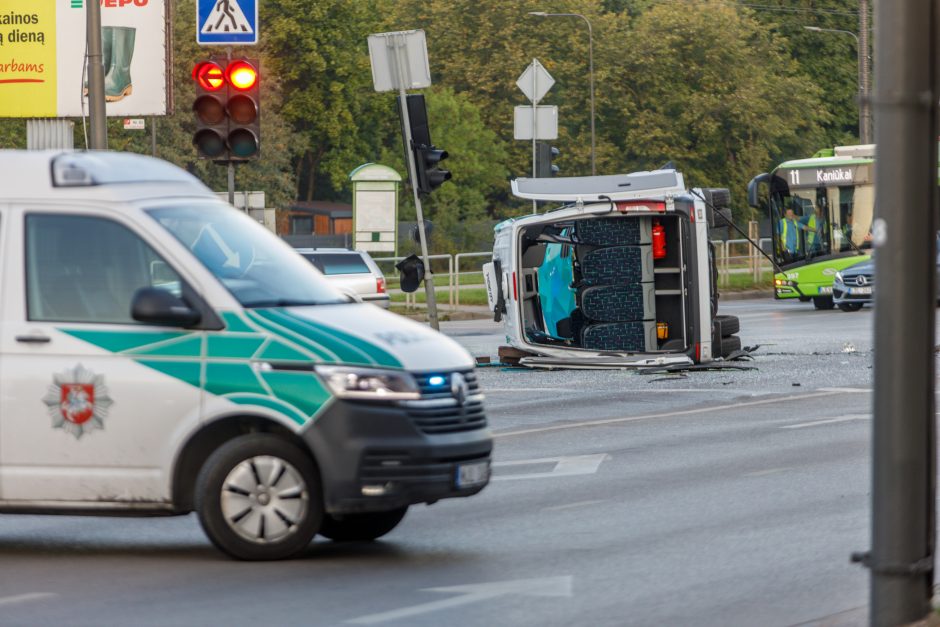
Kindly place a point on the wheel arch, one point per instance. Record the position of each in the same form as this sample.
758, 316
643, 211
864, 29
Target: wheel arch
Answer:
210, 436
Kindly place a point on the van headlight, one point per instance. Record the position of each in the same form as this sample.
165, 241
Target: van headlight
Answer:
369, 383
839, 277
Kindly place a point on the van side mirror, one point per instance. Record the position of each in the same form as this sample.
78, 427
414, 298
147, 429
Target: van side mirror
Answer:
158, 306
411, 273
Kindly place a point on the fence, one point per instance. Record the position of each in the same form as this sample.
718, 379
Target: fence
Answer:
732, 257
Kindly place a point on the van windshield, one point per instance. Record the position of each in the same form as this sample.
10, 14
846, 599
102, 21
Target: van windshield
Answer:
257, 267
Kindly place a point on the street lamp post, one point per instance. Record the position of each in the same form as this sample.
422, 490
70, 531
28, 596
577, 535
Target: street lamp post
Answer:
590, 69
864, 113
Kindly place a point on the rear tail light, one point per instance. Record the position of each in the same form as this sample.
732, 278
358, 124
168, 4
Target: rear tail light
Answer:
515, 294
380, 285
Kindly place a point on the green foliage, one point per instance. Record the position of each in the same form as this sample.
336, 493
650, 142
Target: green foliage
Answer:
715, 93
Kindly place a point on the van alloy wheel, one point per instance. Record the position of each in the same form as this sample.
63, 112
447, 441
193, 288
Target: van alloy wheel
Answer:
263, 499
258, 497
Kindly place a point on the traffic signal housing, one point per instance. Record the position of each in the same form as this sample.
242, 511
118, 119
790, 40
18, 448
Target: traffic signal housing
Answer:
427, 157
209, 108
544, 154
227, 109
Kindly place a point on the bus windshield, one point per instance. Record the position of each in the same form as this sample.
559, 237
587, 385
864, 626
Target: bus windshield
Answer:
813, 222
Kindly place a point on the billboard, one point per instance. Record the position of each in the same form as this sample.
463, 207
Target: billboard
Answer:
42, 52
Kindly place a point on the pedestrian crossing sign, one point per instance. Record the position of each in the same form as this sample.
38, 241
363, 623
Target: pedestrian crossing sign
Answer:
227, 22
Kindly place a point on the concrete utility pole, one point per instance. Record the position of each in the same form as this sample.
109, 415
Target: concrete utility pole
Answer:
904, 431
97, 117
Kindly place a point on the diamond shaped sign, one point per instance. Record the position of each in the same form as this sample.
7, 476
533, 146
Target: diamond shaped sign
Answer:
535, 81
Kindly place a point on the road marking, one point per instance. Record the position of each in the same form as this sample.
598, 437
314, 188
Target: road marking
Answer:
768, 471
847, 390
671, 414
474, 593
828, 421
30, 596
564, 467
558, 508
516, 390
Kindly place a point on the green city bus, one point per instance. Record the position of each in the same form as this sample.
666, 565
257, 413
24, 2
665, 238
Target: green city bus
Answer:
821, 211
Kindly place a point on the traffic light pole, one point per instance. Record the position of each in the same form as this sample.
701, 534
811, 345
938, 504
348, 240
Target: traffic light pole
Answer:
413, 174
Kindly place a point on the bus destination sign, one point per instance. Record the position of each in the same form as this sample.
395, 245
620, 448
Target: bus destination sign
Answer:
831, 176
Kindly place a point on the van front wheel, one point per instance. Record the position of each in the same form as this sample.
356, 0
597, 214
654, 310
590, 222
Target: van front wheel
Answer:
258, 498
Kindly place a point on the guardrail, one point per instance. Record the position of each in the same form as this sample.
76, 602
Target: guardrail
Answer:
732, 257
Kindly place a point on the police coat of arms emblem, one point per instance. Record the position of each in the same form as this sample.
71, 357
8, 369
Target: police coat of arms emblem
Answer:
78, 401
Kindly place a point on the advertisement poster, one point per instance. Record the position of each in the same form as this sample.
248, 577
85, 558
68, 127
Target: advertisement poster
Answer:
42, 53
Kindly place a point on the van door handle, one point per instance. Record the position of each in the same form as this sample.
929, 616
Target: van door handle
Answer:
34, 338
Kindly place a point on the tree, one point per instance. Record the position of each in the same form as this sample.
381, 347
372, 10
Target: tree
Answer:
717, 94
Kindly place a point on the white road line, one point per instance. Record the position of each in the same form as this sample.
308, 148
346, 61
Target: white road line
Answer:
768, 471
848, 390
828, 421
671, 414
558, 508
563, 467
30, 596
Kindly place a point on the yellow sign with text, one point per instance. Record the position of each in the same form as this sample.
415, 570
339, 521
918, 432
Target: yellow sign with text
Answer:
28, 59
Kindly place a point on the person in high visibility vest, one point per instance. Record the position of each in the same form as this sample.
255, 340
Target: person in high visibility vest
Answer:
789, 233
814, 225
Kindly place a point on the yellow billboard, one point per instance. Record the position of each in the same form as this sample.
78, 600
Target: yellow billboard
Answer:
42, 58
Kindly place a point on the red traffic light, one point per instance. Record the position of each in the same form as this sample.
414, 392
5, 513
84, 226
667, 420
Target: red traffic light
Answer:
241, 75
209, 75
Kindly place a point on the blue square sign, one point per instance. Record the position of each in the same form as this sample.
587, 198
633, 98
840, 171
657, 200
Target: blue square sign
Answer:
227, 22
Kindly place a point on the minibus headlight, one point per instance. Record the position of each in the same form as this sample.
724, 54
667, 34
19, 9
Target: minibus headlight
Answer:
839, 277
369, 383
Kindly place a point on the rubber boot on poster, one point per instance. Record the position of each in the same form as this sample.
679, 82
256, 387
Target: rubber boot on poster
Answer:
107, 37
117, 83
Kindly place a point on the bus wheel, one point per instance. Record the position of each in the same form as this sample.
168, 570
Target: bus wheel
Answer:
850, 306
823, 302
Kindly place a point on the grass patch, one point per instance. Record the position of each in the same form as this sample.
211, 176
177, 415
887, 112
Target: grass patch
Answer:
440, 280
475, 296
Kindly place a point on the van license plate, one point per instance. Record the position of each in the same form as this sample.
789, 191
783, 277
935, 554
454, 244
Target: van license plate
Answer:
859, 290
471, 475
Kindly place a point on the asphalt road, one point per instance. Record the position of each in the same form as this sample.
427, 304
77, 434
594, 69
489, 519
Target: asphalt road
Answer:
711, 498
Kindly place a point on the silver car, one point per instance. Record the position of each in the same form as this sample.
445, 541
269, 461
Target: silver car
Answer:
351, 271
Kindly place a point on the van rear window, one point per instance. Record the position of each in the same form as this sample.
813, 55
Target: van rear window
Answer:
338, 263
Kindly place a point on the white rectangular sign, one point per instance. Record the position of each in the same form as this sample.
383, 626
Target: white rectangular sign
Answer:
42, 52
546, 116
134, 124
410, 46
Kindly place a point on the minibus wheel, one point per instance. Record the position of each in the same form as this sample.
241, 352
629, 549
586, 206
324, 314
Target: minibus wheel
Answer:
361, 527
258, 498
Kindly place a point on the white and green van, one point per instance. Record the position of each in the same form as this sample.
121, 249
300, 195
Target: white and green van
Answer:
162, 353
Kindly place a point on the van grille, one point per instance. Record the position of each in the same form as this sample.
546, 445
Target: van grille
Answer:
439, 412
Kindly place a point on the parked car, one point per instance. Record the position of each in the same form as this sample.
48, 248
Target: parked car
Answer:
352, 271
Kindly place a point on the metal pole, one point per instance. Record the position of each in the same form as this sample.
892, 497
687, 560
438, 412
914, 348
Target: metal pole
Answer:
535, 110
904, 430
864, 80
231, 183
97, 116
398, 44
153, 135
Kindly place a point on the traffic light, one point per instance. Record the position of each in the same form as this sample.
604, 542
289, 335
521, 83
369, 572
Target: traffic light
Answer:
227, 109
244, 109
427, 156
544, 153
209, 107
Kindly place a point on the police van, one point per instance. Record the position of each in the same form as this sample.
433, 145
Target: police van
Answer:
162, 353
621, 275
